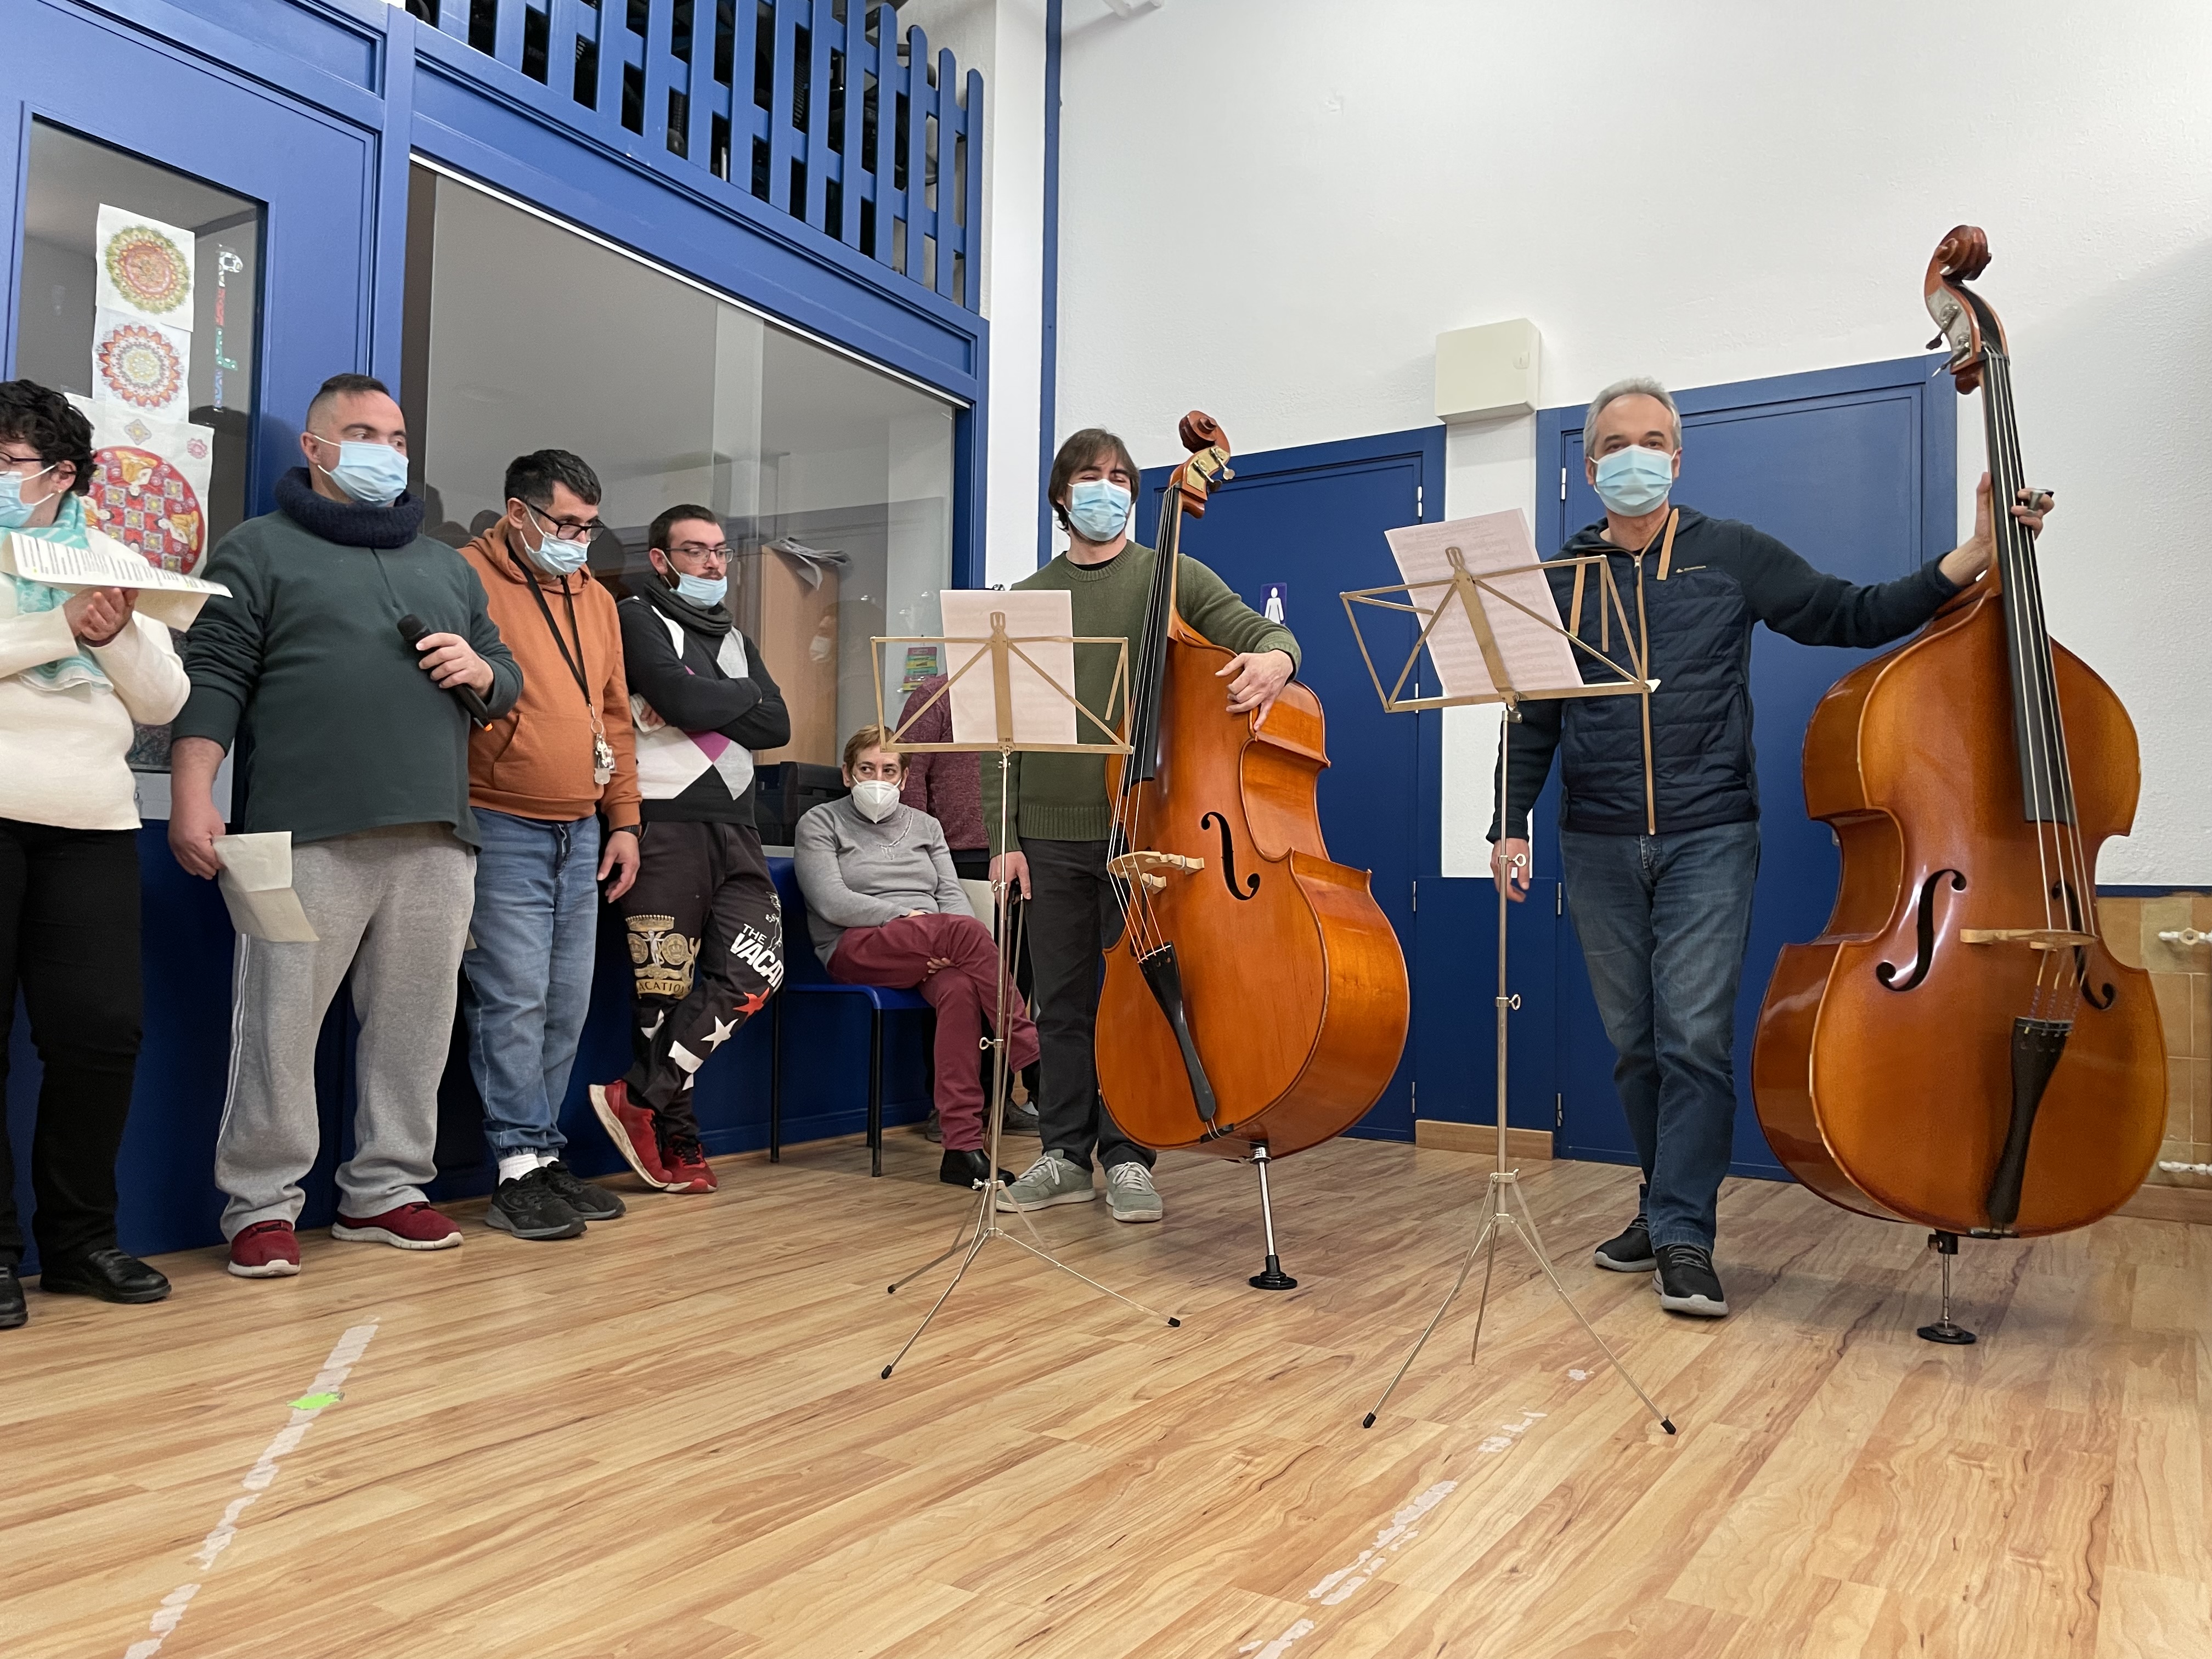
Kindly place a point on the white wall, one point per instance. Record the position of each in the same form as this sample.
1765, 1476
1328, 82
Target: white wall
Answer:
1269, 208
1005, 40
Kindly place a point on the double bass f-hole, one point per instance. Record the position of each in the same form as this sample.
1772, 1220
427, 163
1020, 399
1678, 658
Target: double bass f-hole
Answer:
1251, 887
2063, 891
1886, 972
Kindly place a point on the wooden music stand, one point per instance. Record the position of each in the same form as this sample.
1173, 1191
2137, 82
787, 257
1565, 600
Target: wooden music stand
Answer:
1509, 654
1030, 714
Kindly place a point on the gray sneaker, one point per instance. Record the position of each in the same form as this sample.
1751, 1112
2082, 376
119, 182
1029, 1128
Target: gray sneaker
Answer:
1051, 1180
1130, 1194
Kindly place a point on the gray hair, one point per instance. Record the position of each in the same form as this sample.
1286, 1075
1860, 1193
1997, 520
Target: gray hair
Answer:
1634, 385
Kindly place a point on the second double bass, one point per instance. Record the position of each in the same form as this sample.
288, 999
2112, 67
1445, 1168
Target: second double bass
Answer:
1256, 1002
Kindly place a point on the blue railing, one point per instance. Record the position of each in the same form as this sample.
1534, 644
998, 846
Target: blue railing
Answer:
803, 104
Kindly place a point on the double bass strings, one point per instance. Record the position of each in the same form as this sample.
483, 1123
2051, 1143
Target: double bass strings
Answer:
2046, 780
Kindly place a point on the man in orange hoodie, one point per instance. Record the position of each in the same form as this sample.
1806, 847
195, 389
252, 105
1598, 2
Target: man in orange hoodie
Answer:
541, 779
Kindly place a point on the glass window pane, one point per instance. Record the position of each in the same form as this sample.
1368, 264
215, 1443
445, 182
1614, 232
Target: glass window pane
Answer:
834, 482
141, 298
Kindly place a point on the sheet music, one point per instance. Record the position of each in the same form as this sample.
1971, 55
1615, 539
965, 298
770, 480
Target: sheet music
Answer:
169, 598
1537, 655
1039, 623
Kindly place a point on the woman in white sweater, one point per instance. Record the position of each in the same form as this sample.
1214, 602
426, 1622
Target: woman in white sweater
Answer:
77, 668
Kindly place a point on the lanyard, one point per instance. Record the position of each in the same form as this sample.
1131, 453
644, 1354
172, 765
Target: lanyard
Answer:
575, 663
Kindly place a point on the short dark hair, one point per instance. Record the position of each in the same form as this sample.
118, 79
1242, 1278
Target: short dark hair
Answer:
685, 513
41, 418
1086, 448
341, 385
531, 478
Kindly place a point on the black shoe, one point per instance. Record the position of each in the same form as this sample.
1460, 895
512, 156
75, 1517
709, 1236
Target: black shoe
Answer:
13, 1310
106, 1273
1630, 1252
931, 1128
1686, 1283
1020, 1120
593, 1203
529, 1208
969, 1169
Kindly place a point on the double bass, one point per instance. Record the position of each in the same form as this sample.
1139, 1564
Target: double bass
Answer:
1960, 1049
1255, 1004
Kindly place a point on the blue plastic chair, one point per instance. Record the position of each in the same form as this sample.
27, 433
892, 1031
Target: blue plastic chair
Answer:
805, 976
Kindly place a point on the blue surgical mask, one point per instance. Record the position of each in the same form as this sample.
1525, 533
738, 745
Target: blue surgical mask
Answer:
554, 556
15, 511
374, 474
1098, 507
1634, 480
705, 591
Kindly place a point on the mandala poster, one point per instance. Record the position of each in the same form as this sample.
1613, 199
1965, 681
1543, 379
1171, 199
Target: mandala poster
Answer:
145, 269
149, 486
144, 367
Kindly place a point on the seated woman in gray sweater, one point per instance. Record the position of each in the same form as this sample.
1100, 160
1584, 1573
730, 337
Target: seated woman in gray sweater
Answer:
886, 907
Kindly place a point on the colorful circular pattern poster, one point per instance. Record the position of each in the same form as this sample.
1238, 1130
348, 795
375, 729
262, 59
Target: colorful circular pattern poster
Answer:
138, 366
147, 270
145, 503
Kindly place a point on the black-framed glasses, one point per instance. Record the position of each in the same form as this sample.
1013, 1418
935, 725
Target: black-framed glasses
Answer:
702, 551
37, 464
563, 530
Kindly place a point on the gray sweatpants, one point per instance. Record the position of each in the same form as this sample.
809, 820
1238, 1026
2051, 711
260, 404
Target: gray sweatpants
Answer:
393, 906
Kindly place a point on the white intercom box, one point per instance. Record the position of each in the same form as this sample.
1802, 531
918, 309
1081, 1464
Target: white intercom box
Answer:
1487, 371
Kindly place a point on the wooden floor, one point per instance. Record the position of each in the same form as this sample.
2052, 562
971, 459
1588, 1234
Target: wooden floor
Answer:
670, 1438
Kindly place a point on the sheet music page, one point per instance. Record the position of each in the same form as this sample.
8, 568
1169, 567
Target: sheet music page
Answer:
1039, 624
168, 597
1537, 657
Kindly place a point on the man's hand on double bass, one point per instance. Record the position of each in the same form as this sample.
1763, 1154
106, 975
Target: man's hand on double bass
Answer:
1260, 679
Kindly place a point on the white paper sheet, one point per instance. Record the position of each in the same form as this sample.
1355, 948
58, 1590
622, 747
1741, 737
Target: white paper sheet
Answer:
146, 269
1042, 714
1537, 658
169, 598
257, 887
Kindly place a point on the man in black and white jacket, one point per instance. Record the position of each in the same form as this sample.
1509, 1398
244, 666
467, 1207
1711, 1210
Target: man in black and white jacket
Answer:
706, 932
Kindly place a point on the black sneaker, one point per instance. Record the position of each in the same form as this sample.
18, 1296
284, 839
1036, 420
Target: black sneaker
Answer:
593, 1203
1630, 1252
1686, 1283
13, 1311
931, 1128
529, 1208
969, 1169
1020, 1118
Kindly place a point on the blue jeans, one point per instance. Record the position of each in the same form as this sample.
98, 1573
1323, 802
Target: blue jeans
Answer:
528, 970
1663, 920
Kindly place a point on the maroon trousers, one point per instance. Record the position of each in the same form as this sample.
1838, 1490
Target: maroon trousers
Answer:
965, 994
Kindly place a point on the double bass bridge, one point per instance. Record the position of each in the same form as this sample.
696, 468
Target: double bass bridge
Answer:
1152, 869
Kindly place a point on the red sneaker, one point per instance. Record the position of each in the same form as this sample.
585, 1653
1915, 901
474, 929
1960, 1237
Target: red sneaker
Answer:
267, 1249
632, 1130
687, 1166
414, 1226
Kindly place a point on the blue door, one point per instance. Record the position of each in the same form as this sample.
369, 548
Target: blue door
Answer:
1854, 468
1308, 523
280, 201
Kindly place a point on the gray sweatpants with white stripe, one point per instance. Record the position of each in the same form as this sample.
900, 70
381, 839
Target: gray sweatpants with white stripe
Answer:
393, 906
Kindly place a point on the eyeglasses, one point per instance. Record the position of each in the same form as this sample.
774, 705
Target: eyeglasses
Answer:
719, 551
37, 463
563, 530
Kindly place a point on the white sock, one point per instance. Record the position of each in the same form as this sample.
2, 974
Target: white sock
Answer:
544, 1158
516, 1165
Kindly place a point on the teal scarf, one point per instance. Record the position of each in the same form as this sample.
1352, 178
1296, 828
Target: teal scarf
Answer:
26, 598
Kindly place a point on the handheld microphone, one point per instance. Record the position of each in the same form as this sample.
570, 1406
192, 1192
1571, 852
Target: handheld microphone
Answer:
412, 629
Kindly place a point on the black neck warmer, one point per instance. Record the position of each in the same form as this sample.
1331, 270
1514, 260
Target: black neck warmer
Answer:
349, 524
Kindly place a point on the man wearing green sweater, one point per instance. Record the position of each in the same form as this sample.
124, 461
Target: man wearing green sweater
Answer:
1055, 847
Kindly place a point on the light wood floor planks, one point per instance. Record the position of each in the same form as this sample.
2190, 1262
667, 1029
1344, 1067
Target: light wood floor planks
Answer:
669, 1438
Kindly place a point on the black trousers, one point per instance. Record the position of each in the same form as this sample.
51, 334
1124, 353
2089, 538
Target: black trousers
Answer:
68, 940
1073, 918
706, 945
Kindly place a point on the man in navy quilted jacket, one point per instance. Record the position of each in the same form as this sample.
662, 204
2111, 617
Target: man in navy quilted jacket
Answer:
1659, 827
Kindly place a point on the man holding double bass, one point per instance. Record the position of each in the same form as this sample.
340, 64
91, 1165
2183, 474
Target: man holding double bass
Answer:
1659, 822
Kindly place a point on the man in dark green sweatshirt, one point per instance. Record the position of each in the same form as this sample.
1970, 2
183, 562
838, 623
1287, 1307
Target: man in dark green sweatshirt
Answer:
1054, 851
355, 741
